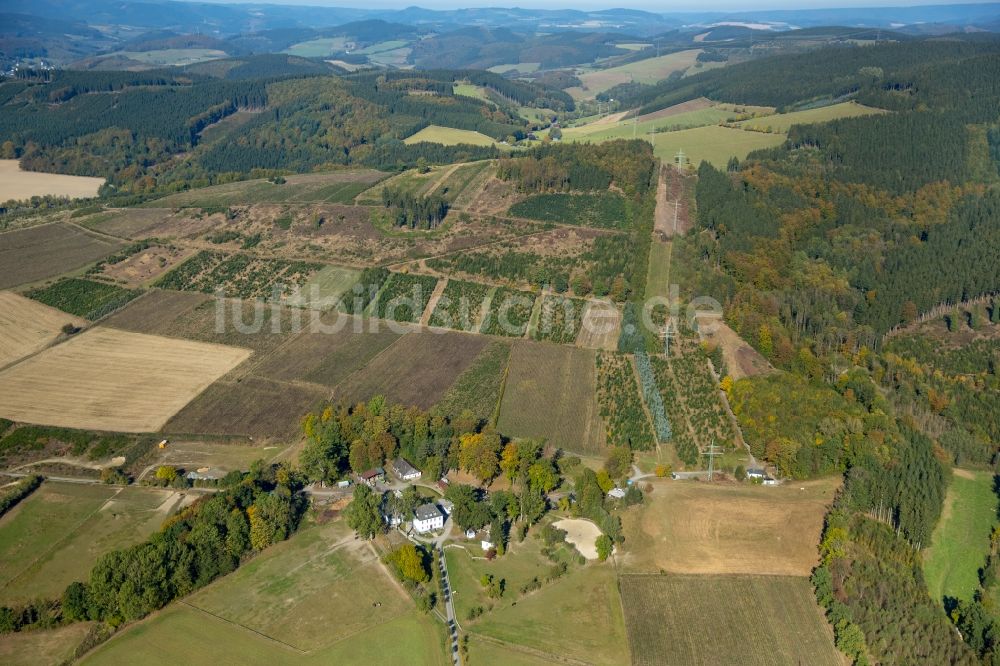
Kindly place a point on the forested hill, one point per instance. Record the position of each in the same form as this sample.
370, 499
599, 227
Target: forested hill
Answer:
894, 75
284, 113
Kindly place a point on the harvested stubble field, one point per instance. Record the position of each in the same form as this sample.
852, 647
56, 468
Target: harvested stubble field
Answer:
601, 326
416, 370
18, 184
709, 620
333, 187
27, 326
550, 393
248, 406
699, 528
57, 534
38, 253
106, 379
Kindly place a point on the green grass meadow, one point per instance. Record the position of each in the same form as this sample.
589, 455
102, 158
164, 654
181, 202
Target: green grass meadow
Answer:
961, 539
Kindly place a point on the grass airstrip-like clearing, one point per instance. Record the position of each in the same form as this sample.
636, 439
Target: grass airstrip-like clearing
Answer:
961, 539
709, 620
27, 326
112, 380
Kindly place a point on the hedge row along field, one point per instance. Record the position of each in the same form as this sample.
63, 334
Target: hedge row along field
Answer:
559, 319
238, 275
604, 210
460, 306
621, 408
84, 298
404, 297
510, 312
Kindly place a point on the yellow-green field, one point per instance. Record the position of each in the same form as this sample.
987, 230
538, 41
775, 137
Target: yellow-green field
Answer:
173, 57
626, 129
647, 71
57, 534
321, 597
522, 67
961, 539
182, 635
469, 90
782, 122
42, 648
712, 144
317, 48
325, 288
449, 136
658, 275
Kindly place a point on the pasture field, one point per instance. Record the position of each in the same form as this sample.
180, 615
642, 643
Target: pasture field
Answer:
469, 90
523, 562
330, 187
416, 370
27, 326
315, 589
410, 181
48, 250
713, 144
83, 298
485, 651
961, 540
782, 122
18, 184
693, 527
709, 620
250, 406
327, 358
42, 648
459, 183
448, 136
478, 388
105, 379
647, 71
41, 561
638, 128
579, 616
550, 393
181, 634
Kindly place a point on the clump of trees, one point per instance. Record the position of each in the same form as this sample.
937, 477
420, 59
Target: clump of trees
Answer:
413, 211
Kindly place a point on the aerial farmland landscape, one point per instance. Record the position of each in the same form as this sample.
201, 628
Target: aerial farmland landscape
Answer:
467, 335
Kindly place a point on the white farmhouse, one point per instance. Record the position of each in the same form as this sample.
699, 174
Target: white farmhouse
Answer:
427, 517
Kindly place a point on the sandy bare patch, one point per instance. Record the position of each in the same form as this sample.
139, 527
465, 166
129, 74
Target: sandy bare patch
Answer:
146, 265
106, 379
18, 184
582, 534
26, 326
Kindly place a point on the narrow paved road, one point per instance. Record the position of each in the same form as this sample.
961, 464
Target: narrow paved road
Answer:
449, 605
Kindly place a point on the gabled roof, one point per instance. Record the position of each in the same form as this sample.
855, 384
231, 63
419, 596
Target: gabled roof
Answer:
427, 512
403, 468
